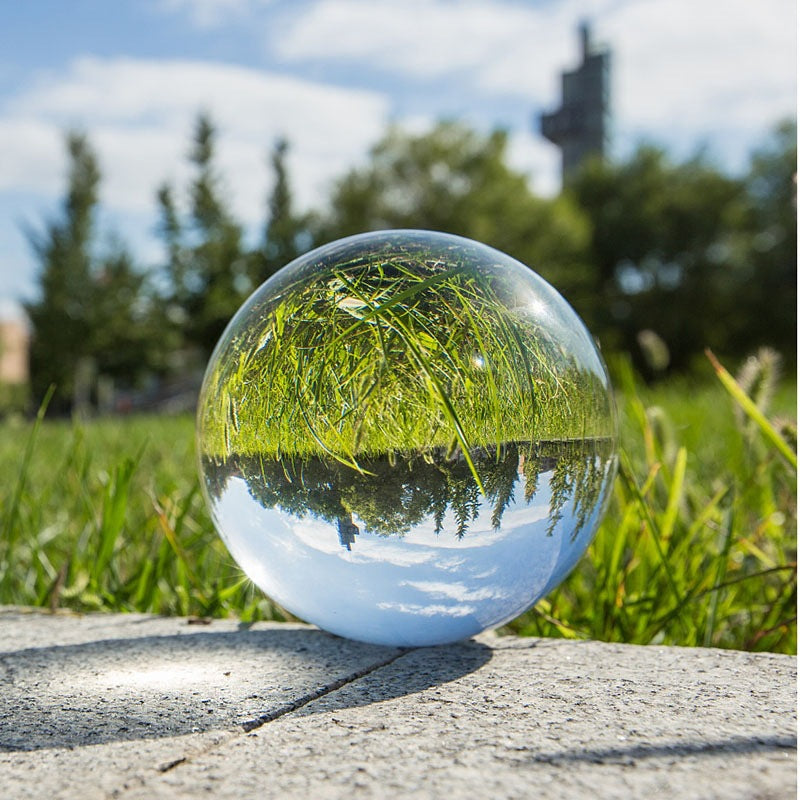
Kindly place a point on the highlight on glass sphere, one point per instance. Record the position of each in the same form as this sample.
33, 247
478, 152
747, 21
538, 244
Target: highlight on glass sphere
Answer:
406, 437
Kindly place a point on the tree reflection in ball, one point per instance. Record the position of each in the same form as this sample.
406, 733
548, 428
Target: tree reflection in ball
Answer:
406, 437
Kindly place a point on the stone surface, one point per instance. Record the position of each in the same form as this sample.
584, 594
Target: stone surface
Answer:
133, 706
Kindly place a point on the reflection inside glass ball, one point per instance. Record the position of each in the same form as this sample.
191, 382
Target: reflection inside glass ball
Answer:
406, 437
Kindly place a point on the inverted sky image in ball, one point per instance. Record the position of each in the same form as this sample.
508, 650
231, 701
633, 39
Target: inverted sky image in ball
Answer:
406, 437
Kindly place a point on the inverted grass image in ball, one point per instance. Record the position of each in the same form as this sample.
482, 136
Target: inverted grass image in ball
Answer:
406, 437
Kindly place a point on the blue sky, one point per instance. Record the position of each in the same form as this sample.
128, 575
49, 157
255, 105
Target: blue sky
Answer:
331, 74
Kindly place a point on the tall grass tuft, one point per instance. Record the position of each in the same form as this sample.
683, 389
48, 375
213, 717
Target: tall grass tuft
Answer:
699, 546
107, 516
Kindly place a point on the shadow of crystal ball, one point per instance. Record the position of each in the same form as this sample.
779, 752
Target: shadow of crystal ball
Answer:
406, 437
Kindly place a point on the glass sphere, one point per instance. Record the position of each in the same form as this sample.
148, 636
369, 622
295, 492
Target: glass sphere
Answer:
406, 437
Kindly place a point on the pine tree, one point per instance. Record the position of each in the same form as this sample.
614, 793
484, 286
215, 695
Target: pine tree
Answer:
283, 235
206, 264
128, 340
96, 316
61, 317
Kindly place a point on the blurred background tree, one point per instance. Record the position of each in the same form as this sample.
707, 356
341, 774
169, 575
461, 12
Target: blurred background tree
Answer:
768, 305
697, 257
285, 232
666, 250
92, 318
61, 317
207, 268
456, 180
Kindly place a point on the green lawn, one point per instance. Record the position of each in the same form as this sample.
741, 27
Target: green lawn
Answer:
698, 547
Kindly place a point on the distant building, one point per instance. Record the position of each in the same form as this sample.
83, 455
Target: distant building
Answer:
348, 531
14, 352
581, 126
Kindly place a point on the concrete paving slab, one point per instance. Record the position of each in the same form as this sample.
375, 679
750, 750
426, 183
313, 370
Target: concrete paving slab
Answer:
304, 714
99, 698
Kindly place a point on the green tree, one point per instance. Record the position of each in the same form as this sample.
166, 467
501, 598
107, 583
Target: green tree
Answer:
667, 250
127, 333
285, 234
769, 300
93, 316
455, 180
206, 263
60, 318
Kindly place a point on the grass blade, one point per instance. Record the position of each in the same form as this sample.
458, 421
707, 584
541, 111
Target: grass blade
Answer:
675, 493
630, 481
10, 522
112, 521
722, 564
752, 411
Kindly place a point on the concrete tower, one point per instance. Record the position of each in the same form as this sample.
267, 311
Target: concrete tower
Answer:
581, 126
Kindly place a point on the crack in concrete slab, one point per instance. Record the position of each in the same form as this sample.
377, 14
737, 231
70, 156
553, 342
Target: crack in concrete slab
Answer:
172, 764
251, 725
305, 699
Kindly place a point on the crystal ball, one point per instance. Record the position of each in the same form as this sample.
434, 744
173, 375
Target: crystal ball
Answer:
406, 437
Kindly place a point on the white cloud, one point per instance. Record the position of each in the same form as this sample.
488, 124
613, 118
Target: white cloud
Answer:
139, 115
703, 67
428, 611
440, 590
537, 159
696, 70
32, 154
419, 38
